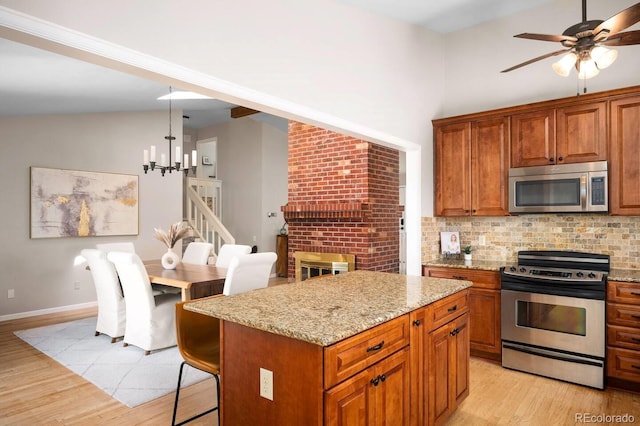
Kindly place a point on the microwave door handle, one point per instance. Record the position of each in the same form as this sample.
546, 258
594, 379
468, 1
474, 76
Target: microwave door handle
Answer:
583, 192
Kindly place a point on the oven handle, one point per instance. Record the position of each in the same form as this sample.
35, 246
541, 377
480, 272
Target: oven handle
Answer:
558, 357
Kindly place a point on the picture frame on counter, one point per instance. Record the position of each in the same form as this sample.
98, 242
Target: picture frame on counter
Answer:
449, 242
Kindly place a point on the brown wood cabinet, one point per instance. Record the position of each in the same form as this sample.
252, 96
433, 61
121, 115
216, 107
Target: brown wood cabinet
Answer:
563, 135
624, 159
484, 307
282, 250
471, 166
623, 334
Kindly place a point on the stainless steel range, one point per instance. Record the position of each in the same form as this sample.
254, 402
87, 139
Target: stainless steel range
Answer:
553, 315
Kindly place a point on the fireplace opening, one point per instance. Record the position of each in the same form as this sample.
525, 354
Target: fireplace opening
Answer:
313, 265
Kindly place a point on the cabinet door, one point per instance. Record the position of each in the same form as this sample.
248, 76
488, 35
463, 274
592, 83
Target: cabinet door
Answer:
489, 167
452, 170
378, 395
582, 133
419, 366
484, 314
349, 402
440, 368
624, 157
460, 353
533, 140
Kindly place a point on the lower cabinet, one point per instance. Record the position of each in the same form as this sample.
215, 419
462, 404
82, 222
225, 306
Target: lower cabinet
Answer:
379, 395
484, 307
623, 335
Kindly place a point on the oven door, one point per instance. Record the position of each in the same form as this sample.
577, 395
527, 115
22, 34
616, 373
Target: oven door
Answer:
563, 323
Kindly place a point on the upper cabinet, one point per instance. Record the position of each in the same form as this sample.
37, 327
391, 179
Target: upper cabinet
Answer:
624, 161
563, 135
471, 166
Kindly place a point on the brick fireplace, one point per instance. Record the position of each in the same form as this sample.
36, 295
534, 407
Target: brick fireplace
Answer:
343, 198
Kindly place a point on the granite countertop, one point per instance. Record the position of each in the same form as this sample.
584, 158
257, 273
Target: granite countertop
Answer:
629, 275
326, 310
486, 265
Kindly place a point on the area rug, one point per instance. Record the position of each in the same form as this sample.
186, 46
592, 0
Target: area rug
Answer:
124, 373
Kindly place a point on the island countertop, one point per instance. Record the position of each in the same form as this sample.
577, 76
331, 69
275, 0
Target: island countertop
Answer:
326, 310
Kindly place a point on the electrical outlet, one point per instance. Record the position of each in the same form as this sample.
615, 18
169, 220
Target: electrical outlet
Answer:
482, 241
76, 285
266, 384
11, 293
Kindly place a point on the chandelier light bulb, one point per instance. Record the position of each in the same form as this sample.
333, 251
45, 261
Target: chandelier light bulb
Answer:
587, 69
564, 65
603, 57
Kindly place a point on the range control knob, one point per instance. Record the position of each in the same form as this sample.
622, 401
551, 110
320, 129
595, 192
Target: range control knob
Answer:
579, 274
592, 275
523, 269
512, 269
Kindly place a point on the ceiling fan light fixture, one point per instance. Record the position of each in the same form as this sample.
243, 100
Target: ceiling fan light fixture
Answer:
564, 65
603, 57
587, 69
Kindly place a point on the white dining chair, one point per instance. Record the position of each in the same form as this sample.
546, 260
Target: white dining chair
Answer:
111, 306
197, 253
248, 272
150, 320
228, 252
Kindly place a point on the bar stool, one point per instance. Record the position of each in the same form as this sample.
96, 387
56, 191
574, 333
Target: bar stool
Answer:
198, 338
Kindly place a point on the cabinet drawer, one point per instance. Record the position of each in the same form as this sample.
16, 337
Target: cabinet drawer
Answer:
623, 364
623, 292
447, 309
623, 337
625, 315
349, 356
482, 279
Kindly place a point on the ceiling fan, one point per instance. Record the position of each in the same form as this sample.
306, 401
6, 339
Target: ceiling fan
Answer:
585, 43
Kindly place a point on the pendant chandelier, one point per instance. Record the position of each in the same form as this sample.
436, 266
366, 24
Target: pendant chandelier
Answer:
149, 155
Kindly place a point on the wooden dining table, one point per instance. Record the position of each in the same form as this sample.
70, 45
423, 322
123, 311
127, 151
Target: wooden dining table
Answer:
194, 281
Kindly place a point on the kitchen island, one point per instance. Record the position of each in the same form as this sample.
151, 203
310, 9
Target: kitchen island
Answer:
362, 346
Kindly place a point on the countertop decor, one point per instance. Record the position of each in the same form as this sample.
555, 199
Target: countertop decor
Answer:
325, 310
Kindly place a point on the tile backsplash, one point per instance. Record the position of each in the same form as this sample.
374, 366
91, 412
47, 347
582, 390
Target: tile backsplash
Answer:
617, 236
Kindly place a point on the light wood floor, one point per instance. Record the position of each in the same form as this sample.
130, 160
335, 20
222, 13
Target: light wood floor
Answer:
35, 390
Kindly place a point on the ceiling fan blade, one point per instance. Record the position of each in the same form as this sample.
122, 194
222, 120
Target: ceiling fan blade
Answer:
620, 21
530, 61
623, 39
547, 37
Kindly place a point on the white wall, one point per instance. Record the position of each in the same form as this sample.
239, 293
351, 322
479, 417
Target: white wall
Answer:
252, 165
41, 270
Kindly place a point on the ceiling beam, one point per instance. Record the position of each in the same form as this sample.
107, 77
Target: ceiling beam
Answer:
238, 112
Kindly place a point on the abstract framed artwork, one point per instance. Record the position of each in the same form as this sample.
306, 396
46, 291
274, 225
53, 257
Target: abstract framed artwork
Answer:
72, 203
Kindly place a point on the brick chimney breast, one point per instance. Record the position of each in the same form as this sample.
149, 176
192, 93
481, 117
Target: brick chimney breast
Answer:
343, 198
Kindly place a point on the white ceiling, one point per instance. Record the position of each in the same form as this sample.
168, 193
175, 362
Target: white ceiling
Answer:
36, 82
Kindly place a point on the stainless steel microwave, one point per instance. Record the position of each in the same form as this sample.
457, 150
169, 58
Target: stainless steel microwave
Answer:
563, 188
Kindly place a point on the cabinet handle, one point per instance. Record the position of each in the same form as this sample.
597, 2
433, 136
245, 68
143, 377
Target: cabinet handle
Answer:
454, 332
634, 293
453, 308
560, 158
551, 160
382, 378
376, 347
416, 322
635, 339
375, 381
635, 316
459, 277
635, 366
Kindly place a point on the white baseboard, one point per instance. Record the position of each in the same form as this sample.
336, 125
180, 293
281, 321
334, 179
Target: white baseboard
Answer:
47, 311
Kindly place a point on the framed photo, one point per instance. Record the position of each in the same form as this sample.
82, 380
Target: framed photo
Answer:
450, 242
71, 203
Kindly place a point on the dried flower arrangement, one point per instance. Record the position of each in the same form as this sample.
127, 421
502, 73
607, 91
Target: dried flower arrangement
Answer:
177, 231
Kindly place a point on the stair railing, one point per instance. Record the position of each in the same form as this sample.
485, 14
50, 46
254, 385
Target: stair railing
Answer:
203, 210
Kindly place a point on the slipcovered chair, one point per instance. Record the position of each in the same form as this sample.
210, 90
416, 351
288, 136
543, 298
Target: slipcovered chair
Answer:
248, 272
199, 344
111, 306
151, 321
197, 253
228, 252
